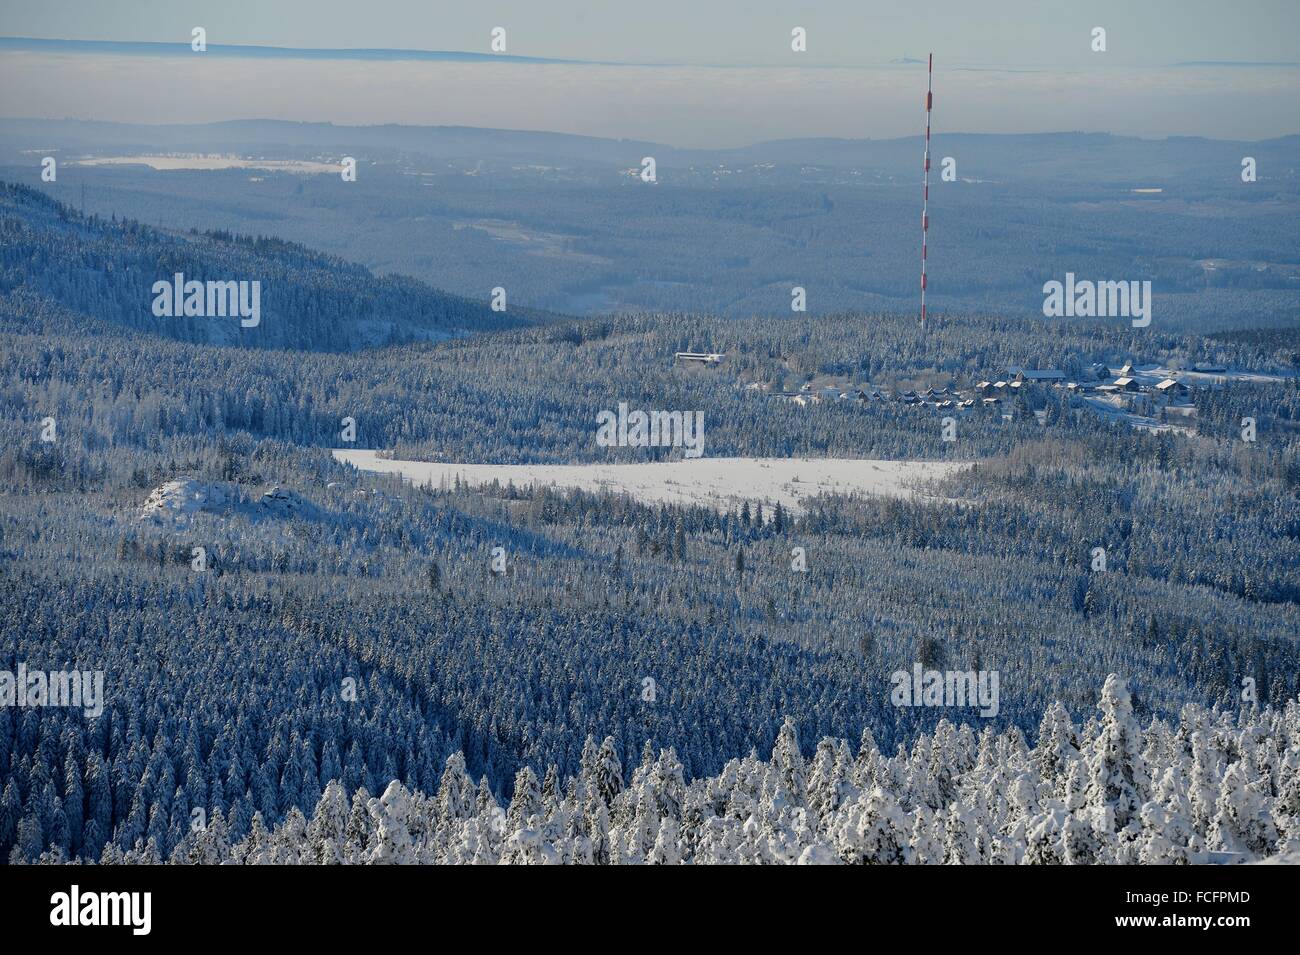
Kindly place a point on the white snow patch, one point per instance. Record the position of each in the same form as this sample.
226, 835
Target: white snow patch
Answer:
183, 499
721, 483
1206, 378
819, 854
286, 503
186, 497
177, 161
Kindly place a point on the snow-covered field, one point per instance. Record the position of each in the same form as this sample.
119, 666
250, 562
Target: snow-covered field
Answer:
168, 163
1113, 410
1203, 379
716, 482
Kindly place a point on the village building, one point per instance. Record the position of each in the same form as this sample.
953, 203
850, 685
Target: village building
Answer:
699, 358
1047, 376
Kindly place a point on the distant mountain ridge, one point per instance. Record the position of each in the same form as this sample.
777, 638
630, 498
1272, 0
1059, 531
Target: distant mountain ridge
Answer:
182, 48
567, 224
1029, 154
105, 271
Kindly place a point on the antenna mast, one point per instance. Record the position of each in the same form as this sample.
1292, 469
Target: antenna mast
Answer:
925, 196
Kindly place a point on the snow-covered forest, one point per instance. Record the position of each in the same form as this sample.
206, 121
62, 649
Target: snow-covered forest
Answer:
347, 639
1214, 786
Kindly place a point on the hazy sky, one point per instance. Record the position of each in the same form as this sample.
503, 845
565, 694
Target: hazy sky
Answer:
726, 73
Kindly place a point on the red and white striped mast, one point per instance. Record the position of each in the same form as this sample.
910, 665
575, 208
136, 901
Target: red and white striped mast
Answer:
925, 196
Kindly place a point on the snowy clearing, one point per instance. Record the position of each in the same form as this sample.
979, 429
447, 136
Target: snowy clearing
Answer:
207, 163
1204, 379
721, 483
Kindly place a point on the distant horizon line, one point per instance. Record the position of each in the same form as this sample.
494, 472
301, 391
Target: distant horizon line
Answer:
624, 139
182, 48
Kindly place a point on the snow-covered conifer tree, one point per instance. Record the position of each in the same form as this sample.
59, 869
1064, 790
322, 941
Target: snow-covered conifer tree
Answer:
1242, 822
1117, 776
961, 840
327, 831
392, 838
926, 846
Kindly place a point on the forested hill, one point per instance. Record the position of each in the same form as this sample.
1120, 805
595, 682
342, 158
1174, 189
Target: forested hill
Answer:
104, 271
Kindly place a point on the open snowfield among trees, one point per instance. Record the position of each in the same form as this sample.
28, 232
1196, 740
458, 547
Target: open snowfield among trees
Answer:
721, 483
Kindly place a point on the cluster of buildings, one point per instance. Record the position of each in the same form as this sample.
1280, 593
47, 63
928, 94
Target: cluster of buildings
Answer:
938, 398
1137, 392
1128, 389
986, 393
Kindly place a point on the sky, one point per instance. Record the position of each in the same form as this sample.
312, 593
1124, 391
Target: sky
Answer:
699, 73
